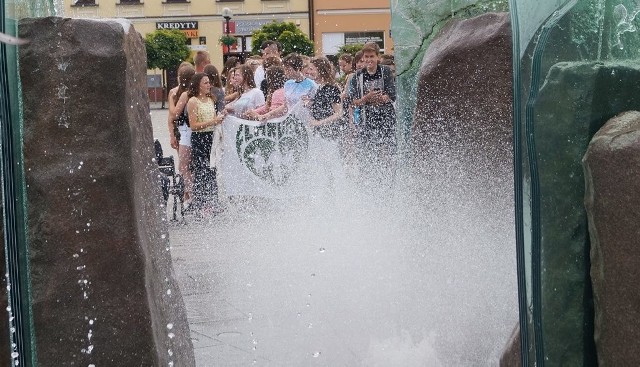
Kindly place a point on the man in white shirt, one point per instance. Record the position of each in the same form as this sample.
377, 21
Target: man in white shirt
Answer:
268, 49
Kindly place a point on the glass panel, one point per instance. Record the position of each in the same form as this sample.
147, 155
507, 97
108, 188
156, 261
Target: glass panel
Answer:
571, 76
17, 269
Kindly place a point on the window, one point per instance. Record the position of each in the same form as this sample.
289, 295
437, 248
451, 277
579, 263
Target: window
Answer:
177, 1
129, 2
84, 3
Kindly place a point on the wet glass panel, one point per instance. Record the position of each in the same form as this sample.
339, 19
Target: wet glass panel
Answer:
578, 58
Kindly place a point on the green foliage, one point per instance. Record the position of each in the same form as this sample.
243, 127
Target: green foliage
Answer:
166, 48
350, 49
287, 33
227, 40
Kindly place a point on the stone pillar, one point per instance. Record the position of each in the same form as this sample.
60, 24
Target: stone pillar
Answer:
103, 287
612, 198
511, 356
461, 141
462, 123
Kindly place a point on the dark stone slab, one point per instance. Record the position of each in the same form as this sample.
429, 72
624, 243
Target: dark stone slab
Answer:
103, 286
462, 123
461, 141
612, 176
464, 94
575, 100
511, 357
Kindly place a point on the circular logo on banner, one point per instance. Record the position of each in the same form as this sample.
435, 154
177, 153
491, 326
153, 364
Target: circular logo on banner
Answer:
274, 151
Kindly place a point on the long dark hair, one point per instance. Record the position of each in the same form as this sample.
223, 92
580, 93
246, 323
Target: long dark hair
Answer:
194, 85
212, 72
325, 70
185, 73
247, 77
356, 58
214, 77
275, 80
231, 63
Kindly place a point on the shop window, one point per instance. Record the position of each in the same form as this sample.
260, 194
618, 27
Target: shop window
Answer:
84, 3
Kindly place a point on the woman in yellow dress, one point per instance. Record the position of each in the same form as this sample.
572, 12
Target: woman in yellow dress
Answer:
201, 109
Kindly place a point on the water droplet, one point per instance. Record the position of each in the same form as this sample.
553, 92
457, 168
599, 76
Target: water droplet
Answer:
171, 335
310, 326
163, 236
15, 355
322, 249
316, 354
169, 292
169, 326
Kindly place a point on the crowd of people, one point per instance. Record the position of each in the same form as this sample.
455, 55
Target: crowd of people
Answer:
351, 106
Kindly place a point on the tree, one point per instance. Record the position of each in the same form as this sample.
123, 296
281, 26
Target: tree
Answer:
165, 49
350, 49
287, 33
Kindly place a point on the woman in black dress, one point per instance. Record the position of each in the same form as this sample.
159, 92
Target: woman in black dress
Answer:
326, 105
327, 123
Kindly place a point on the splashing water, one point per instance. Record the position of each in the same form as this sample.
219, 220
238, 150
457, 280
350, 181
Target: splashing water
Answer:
402, 276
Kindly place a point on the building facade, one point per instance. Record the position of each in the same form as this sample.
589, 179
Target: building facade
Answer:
200, 20
339, 22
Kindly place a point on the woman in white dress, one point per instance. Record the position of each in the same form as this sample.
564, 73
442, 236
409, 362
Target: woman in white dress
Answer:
250, 97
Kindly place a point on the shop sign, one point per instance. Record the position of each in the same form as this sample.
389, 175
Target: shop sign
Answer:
352, 38
191, 33
186, 25
189, 28
247, 27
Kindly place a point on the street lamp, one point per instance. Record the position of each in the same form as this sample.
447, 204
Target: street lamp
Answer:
226, 14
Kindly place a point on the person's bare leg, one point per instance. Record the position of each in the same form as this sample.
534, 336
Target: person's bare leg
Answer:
184, 155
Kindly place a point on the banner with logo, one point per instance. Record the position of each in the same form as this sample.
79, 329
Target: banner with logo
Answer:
264, 159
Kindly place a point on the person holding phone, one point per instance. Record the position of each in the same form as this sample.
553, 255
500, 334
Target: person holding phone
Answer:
373, 91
